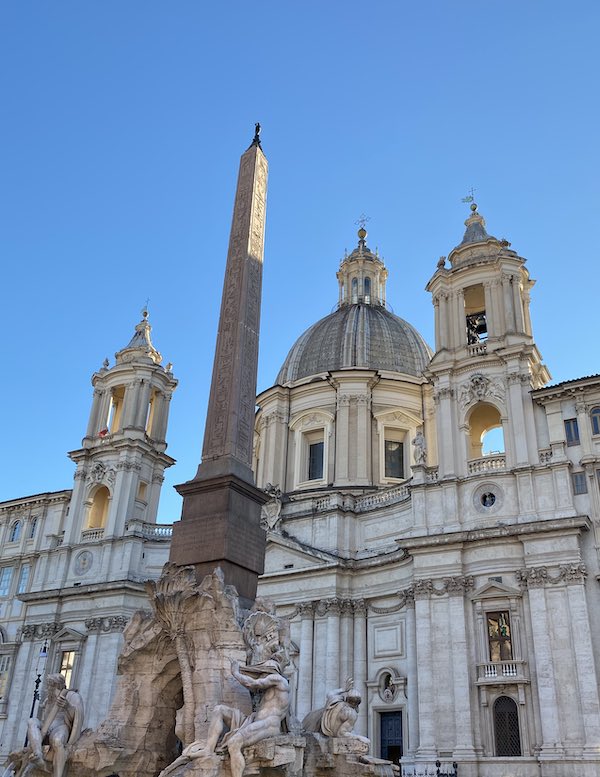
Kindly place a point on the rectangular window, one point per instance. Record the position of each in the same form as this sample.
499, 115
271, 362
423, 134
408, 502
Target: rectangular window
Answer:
499, 641
4, 670
572, 431
315, 460
579, 483
23, 578
394, 459
5, 580
67, 662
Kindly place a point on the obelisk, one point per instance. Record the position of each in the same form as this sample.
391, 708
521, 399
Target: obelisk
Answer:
220, 520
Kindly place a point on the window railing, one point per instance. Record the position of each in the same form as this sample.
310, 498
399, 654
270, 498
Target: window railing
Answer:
487, 464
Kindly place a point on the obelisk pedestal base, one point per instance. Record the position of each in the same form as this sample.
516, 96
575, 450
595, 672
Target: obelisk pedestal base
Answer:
220, 527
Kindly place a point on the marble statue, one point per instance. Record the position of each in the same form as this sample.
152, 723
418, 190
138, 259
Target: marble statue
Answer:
420, 448
338, 716
243, 730
59, 727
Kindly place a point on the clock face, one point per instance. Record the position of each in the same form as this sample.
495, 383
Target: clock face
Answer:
83, 562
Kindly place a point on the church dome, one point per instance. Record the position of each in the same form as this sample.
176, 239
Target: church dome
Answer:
357, 336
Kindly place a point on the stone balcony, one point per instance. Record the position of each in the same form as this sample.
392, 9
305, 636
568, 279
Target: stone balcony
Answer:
501, 672
92, 535
492, 463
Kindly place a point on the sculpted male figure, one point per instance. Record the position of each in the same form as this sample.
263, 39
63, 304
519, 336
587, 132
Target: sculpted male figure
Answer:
244, 731
60, 726
338, 716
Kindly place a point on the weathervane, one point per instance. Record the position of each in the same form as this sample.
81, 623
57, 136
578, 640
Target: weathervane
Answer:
470, 197
362, 220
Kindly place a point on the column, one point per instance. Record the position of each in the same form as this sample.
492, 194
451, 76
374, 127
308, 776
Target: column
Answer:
130, 404
103, 410
438, 323
584, 661
517, 304
426, 688
541, 634
332, 667
490, 317
411, 689
360, 663
143, 402
305, 660
509, 316
585, 427
363, 439
92, 427
463, 727
460, 326
341, 441
443, 398
347, 640
445, 339
517, 419
161, 416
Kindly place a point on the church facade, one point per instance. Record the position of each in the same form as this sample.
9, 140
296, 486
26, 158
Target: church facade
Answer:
432, 529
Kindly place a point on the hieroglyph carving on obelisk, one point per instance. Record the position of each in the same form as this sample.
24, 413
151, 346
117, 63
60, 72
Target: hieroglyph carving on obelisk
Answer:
228, 436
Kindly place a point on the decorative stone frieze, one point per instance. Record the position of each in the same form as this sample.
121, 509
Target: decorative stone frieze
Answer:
478, 388
460, 585
536, 577
31, 631
406, 598
129, 465
106, 624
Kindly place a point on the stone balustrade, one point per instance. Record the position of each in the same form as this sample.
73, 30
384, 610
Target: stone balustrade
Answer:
92, 535
477, 349
150, 531
492, 463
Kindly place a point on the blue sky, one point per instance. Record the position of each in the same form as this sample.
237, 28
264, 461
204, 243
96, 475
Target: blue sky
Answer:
122, 127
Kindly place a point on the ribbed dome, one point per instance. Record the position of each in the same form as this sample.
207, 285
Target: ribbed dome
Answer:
360, 336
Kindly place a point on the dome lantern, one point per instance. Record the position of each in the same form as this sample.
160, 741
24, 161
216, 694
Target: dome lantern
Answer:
362, 276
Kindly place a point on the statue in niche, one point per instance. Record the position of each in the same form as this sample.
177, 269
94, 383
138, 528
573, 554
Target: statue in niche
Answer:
338, 716
420, 448
51, 736
265, 677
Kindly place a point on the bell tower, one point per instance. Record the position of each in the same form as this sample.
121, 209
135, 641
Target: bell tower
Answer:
120, 466
486, 360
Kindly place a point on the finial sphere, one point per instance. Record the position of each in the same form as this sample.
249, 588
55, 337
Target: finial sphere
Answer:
473, 206
362, 233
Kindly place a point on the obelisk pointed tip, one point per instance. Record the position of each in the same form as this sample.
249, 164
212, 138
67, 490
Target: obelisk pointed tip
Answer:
256, 138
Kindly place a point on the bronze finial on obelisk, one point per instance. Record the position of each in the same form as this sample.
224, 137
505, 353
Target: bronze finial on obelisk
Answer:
220, 522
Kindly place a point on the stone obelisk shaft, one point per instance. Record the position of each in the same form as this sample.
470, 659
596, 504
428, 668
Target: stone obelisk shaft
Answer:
229, 429
220, 522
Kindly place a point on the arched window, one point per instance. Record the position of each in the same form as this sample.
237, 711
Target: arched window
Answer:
15, 532
32, 528
367, 289
595, 417
354, 290
98, 510
486, 436
506, 728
